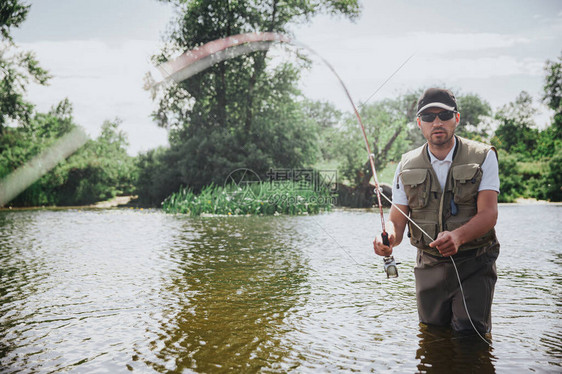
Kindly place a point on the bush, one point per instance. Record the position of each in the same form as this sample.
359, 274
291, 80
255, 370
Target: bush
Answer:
255, 199
159, 176
511, 186
553, 179
98, 171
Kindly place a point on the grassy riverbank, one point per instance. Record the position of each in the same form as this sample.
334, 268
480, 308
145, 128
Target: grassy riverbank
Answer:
252, 199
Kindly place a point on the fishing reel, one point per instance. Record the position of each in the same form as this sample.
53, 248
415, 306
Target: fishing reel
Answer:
390, 267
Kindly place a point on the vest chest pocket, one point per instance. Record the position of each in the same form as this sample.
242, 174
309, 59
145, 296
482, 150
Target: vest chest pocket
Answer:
466, 180
417, 185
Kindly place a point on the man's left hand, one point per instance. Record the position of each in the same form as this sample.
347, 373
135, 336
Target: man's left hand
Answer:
447, 243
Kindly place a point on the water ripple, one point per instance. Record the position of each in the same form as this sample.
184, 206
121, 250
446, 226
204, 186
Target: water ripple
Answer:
128, 290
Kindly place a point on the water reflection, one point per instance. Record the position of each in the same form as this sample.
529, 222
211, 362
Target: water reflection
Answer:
21, 277
443, 351
234, 284
120, 290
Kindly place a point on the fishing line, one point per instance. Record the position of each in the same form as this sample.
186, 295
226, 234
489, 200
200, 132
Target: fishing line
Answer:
368, 147
452, 261
198, 59
377, 188
395, 303
389, 78
464, 303
334, 239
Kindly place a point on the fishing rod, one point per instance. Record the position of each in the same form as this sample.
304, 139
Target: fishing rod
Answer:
200, 58
389, 262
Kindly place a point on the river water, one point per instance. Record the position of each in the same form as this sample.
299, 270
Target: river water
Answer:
125, 290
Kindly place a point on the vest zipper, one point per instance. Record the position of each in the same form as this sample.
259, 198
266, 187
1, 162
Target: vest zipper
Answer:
442, 201
441, 212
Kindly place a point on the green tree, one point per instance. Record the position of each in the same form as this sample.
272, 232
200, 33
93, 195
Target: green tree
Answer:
99, 170
242, 112
473, 111
21, 144
17, 68
328, 121
386, 125
392, 129
553, 92
553, 180
550, 140
516, 132
156, 180
391, 126
512, 185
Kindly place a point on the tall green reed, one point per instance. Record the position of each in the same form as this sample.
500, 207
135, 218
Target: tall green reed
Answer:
264, 198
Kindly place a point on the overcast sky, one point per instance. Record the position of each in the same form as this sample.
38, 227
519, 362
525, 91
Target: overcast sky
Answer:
98, 53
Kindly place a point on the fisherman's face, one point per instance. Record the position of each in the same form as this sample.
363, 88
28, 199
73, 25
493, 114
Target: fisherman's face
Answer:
439, 133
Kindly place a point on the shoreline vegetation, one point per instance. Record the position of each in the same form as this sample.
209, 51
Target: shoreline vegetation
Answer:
128, 202
250, 114
288, 197
122, 201
260, 198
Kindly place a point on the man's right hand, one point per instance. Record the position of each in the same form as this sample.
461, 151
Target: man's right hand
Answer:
380, 248
394, 228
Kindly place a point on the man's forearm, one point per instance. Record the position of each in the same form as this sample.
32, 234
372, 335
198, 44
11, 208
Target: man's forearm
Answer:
483, 221
397, 222
478, 225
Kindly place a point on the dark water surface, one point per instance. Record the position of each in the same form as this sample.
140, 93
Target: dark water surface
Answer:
128, 290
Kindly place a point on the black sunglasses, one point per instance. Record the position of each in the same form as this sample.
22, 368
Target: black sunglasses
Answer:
443, 116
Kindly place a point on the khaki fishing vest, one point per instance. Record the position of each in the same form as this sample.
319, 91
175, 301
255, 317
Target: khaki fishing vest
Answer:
430, 207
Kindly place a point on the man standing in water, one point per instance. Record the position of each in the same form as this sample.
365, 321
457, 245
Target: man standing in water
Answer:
449, 187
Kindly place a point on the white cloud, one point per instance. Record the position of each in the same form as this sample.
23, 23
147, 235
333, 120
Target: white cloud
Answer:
485, 67
102, 81
365, 62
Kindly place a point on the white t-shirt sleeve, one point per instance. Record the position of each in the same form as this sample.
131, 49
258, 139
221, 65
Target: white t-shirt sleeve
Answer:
490, 173
398, 193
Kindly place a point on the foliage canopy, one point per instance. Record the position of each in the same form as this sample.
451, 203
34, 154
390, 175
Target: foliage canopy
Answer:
17, 68
243, 112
